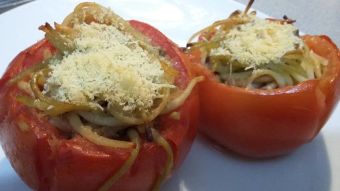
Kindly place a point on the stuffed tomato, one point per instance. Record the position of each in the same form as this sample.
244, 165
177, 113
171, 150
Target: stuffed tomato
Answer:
267, 89
99, 104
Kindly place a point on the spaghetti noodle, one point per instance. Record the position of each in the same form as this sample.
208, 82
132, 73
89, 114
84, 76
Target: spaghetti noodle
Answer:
249, 52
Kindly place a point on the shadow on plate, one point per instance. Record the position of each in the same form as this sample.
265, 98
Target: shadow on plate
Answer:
9, 180
306, 169
206, 168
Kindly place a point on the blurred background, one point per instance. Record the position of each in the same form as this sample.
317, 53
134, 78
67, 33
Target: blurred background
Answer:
6, 5
312, 16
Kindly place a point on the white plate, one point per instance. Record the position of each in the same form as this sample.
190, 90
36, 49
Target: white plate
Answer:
313, 167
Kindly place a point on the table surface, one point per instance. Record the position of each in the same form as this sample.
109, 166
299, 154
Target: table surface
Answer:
6, 5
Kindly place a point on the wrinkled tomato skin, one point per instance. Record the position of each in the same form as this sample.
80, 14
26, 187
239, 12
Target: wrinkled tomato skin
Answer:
48, 161
267, 123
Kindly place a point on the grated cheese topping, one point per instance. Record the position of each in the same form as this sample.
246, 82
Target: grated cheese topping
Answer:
259, 42
106, 65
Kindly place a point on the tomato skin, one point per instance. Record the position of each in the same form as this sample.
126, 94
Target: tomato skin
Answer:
267, 123
48, 161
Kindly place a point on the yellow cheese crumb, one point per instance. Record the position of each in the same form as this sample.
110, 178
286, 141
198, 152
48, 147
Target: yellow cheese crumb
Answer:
259, 42
23, 126
106, 65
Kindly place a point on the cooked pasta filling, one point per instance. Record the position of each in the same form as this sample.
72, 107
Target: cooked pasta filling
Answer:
106, 83
249, 52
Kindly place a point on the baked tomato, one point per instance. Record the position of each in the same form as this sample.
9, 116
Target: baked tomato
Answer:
57, 149
255, 100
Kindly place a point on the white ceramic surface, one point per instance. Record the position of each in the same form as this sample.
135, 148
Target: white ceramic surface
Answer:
313, 167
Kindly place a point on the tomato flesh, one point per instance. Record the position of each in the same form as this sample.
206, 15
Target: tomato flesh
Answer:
47, 160
266, 123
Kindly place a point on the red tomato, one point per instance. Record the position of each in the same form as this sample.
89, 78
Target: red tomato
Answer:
46, 160
266, 123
